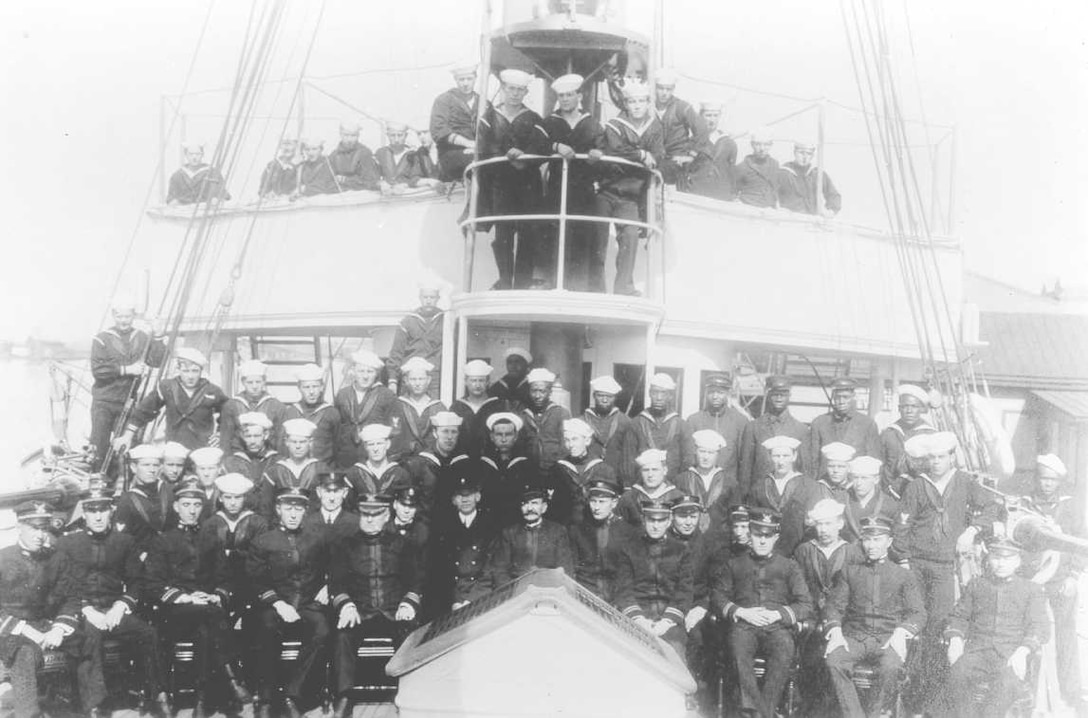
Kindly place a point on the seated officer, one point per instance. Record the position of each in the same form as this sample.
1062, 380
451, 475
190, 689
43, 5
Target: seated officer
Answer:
998, 623
189, 584
374, 583
462, 544
654, 578
761, 596
288, 566
34, 616
596, 539
105, 570
535, 542
874, 608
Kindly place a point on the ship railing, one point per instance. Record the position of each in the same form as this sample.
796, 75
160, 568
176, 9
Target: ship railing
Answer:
651, 200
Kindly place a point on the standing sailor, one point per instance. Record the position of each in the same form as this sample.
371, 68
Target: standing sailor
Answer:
298, 468
686, 137
413, 412
315, 173
257, 454
419, 334
716, 178
313, 407
660, 427
143, 510
196, 181
352, 162
254, 397
365, 401
720, 416
757, 174
786, 491
399, 166
913, 407
543, 431
280, 176
476, 407
776, 420
844, 423
797, 184
613, 432
513, 386
453, 124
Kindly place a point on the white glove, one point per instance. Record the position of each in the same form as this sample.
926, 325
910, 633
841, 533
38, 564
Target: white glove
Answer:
286, 611
1018, 662
405, 612
55, 636
955, 650
662, 627
644, 623
966, 542
898, 643
115, 614
349, 616
96, 618
835, 641
693, 618
323, 596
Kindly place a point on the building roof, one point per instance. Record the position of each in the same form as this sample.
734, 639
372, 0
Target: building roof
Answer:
1074, 403
992, 295
1034, 351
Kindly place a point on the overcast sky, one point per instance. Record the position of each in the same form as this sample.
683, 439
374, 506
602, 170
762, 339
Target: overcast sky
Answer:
82, 83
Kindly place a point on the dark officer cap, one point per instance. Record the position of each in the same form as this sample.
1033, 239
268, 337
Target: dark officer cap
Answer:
190, 489
687, 504
534, 491
1003, 546
33, 512
374, 504
601, 487
466, 484
333, 480
656, 509
719, 381
738, 513
292, 495
777, 382
843, 383
764, 518
875, 525
408, 496
96, 497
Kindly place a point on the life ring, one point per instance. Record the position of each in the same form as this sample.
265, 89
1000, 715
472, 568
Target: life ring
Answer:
992, 432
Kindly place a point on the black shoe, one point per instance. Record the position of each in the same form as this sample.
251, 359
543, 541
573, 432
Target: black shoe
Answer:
343, 708
290, 708
501, 285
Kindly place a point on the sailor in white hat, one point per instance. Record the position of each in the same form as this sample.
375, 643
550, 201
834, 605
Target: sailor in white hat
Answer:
365, 401
786, 490
653, 485
716, 178
419, 334
660, 426
512, 386
195, 181
544, 419
399, 166
797, 184
174, 456
614, 440
140, 510
837, 456
453, 123
827, 522
686, 136
313, 407
280, 176
757, 174
254, 397
914, 404
352, 162
415, 408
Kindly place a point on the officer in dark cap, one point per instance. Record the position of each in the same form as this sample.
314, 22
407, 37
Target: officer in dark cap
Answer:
718, 415
688, 512
189, 584
776, 420
105, 567
406, 520
462, 545
998, 624
596, 540
845, 424
874, 608
374, 582
288, 565
535, 542
761, 596
331, 515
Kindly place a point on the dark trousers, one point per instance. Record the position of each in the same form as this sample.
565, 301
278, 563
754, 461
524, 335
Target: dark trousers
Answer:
141, 641
514, 262
929, 665
23, 659
207, 627
775, 644
452, 163
348, 641
957, 698
610, 205
312, 628
104, 415
841, 663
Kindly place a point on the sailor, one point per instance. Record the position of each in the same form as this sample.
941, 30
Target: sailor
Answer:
844, 423
461, 548
505, 469
786, 491
866, 498
330, 515
207, 467
660, 427
190, 588
943, 513
653, 485
419, 334
120, 355
189, 402
595, 540
636, 136
687, 514
533, 542
196, 180
720, 416
776, 420
399, 166
572, 132
570, 476
105, 569
797, 184
313, 407
35, 615
298, 468
288, 567
914, 463
835, 479
453, 124
716, 490
257, 456
407, 522
280, 176
374, 584
654, 577
822, 557
874, 608
913, 407
687, 141
613, 433
476, 407
230, 532
414, 409
253, 397
716, 178
143, 510
433, 473
365, 401
315, 173
757, 174
352, 162
543, 428
996, 626
513, 385
377, 474
174, 458
761, 595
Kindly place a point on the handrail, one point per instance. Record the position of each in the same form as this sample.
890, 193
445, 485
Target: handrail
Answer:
549, 158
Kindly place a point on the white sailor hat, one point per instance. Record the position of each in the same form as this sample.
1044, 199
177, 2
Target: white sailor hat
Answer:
375, 432
864, 466
417, 364
350, 127
710, 106
781, 442
252, 367
174, 450
288, 142
1052, 462
666, 77
255, 418
518, 352
517, 78
708, 439
605, 385
391, 126
206, 456
568, 83
123, 301
445, 418
651, 457
478, 367
310, 372
805, 144
145, 451
917, 446
662, 381
365, 357
311, 142
235, 484
431, 281
838, 451
911, 390
468, 68
540, 375
760, 134
825, 509
190, 355
577, 427
506, 416
300, 428
943, 442
635, 89
192, 146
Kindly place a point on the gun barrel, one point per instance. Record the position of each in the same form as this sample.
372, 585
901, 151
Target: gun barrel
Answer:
1033, 532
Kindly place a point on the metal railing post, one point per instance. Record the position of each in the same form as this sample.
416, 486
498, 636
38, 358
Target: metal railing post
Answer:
561, 250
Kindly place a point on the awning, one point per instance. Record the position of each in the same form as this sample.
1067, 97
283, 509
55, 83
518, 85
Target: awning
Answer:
1074, 403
